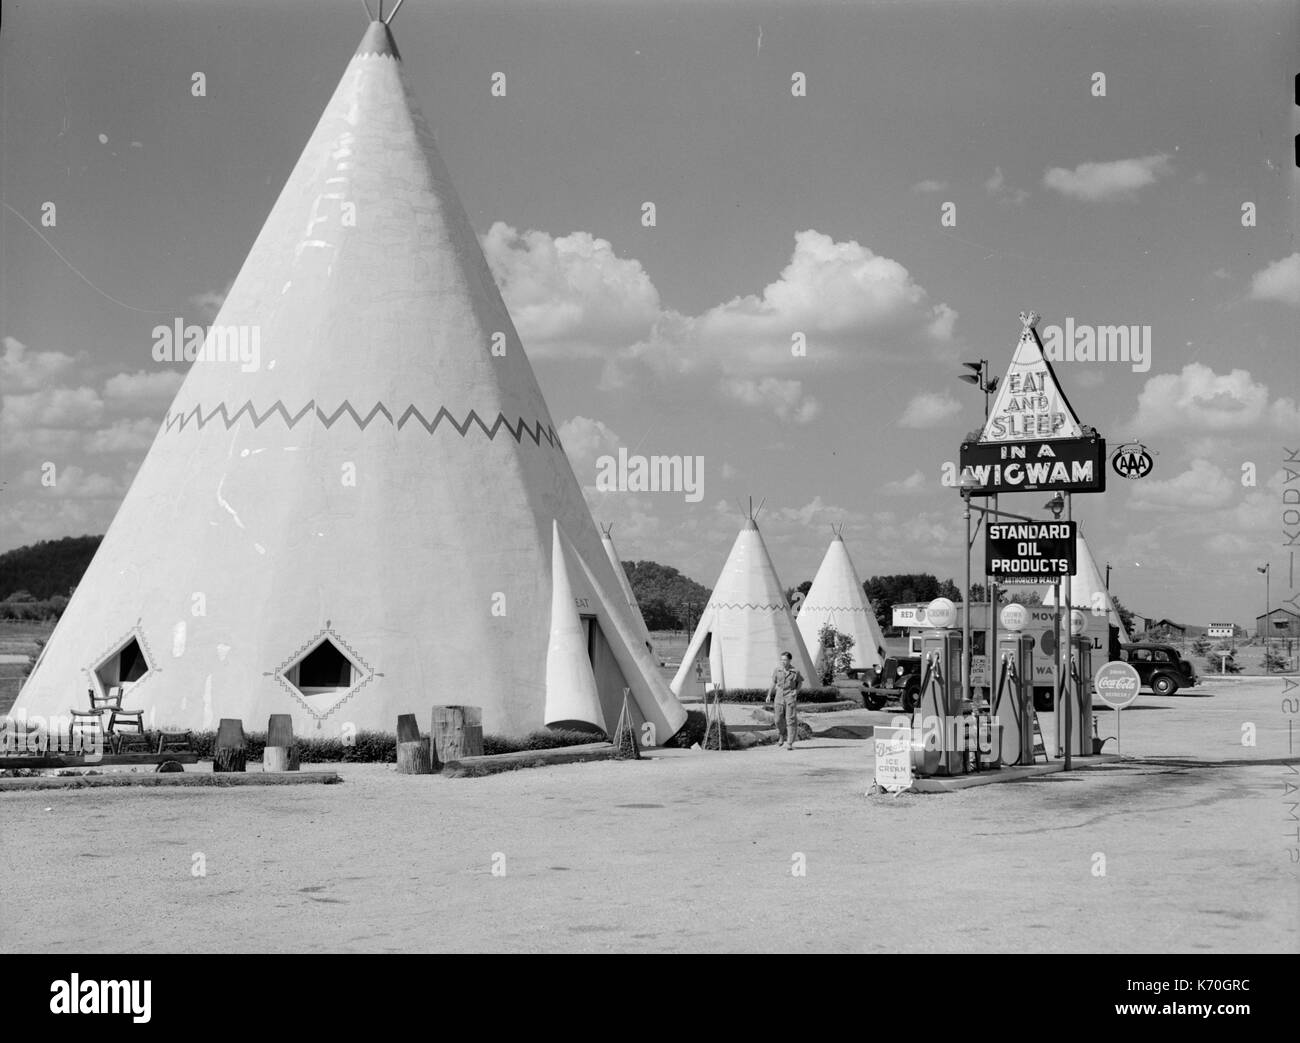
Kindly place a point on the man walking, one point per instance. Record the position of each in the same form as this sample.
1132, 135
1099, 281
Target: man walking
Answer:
786, 682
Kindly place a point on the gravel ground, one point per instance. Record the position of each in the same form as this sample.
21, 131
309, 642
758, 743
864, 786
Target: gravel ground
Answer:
690, 851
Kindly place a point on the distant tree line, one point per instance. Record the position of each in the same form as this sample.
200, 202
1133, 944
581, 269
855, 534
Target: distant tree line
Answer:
47, 569
667, 599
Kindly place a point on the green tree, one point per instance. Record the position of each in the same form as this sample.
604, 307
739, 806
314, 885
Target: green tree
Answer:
885, 592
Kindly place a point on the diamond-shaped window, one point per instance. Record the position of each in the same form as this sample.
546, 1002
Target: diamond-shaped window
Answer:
125, 665
325, 669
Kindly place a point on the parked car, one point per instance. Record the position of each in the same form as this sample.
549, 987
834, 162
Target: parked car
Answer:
1160, 667
899, 680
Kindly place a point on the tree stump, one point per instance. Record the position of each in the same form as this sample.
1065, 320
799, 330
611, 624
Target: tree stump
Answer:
456, 731
229, 754
413, 757
279, 733
407, 729
277, 758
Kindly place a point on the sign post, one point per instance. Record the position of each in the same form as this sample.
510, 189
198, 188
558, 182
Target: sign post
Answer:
1117, 687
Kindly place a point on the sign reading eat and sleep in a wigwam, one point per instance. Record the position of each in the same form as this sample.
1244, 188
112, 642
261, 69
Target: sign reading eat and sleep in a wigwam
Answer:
1030, 403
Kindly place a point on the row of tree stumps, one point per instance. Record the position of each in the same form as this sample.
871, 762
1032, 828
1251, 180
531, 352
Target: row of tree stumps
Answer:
231, 750
455, 732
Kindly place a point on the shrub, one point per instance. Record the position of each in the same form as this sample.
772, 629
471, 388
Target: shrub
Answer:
758, 695
545, 739
690, 733
1274, 663
1218, 664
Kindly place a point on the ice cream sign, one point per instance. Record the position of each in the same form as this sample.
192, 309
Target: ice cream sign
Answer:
1030, 404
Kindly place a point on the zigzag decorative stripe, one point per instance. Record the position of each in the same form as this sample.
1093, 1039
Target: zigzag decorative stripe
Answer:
831, 608
746, 604
537, 432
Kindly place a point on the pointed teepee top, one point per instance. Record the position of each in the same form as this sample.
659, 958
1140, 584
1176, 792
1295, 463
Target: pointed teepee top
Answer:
1030, 404
378, 41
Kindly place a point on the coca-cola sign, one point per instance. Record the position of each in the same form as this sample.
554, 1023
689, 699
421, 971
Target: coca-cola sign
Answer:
1117, 685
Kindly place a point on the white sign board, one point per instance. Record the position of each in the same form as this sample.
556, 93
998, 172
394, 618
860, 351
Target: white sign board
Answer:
909, 616
1220, 630
893, 758
1029, 403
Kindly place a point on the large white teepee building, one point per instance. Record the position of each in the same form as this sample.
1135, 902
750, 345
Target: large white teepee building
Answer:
1088, 592
625, 585
836, 597
747, 623
377, 517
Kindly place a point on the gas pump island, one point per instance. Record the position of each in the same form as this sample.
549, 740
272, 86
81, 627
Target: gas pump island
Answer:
997, 726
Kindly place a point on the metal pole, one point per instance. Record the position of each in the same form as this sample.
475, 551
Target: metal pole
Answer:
1267, 609
966, 607
1069, 636
1056, 662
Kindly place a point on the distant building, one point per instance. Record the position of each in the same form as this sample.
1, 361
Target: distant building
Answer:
1280, 622
1164, 629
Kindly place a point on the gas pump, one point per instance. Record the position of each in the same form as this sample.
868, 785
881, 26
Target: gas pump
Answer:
1081, 682
1014, 694
941, 717
1077, 688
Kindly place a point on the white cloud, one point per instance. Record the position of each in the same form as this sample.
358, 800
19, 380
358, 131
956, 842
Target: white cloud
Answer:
144, 389
1117, 179
1279, 281
913, 483
846, 302
930, 409
1202, 400
996, 186
585, 439
929, 185
122, 436
22, 369
784, 397
570, 296
52, 407
1203, 486
76, 483
208, 304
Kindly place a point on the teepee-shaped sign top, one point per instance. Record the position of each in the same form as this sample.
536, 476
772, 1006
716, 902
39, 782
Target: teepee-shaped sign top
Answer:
1030, 404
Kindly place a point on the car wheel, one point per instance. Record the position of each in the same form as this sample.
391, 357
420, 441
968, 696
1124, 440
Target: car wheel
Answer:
910, 699
873, 702
1043, 700
1164, 685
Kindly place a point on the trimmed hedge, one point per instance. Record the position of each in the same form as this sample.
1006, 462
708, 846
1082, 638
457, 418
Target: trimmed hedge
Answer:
381, 747
759, 695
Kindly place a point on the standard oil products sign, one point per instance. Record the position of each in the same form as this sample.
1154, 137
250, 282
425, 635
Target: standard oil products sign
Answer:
1030, 551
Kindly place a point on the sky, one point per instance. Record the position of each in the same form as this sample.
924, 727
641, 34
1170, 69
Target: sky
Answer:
889, 185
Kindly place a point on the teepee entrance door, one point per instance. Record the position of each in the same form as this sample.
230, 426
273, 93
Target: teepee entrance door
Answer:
610, 681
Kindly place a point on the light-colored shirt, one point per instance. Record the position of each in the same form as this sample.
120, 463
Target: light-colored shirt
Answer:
786, 681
